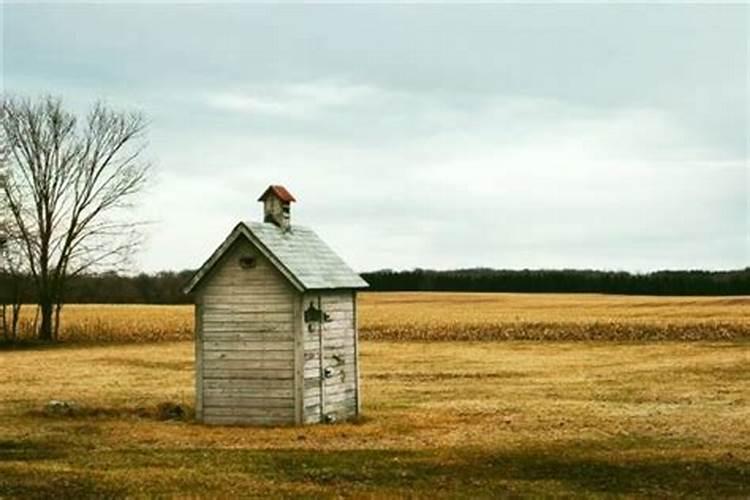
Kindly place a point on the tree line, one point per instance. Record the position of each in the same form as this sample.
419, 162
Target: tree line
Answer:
167, 287
736, 282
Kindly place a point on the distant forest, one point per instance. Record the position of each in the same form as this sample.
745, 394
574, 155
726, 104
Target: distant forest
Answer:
564, 281
166, 287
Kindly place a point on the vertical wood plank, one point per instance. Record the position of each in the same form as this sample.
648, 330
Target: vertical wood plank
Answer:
355, 332
198, 358
321, 373
299, 361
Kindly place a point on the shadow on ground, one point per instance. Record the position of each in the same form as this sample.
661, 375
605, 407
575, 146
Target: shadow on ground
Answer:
497, 472
577, 470
142, 363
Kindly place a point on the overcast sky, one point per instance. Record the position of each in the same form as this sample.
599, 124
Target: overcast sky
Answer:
586, 136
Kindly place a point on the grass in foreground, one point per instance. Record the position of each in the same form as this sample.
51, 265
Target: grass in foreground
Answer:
456, 316
442, 420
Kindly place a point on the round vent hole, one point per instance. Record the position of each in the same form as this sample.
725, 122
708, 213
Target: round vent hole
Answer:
248, 262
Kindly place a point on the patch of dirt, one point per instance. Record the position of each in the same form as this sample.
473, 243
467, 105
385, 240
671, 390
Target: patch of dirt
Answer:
141, 363
167, 410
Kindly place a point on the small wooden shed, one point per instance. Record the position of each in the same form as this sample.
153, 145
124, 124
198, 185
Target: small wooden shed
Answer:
275, 325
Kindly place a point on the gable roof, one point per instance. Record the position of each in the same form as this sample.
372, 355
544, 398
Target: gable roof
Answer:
279, 191
298, 253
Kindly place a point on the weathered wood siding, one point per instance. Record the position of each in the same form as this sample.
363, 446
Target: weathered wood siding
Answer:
335, 395
245, 357
312, 371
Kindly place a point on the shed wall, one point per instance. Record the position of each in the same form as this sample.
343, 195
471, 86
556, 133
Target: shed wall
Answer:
245, 325
336, 395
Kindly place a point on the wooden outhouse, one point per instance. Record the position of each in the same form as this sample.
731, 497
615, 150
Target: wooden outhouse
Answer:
275, 325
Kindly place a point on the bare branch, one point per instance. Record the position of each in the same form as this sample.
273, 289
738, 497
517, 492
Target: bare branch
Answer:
65, 186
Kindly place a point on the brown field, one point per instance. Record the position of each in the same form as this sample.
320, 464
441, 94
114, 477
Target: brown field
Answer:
457, 316
442, 419
496, 316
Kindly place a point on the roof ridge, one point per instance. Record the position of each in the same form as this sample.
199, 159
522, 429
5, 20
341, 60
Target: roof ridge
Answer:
301, 256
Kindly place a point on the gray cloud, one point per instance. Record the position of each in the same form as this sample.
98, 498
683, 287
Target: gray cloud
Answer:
433, 136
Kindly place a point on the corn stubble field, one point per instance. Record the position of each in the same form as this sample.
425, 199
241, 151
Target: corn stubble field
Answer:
465, 395
413, 316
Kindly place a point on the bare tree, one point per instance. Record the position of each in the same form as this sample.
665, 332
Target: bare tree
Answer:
13, 278
13, 281
68, 188
8, 264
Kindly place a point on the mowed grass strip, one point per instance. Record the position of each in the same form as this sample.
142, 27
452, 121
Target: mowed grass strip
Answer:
455, 317
447, 419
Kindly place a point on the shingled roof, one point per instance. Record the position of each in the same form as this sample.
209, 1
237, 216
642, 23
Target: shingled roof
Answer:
298, 253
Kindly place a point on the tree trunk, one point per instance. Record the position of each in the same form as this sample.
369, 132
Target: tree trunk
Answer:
36, 319
45, 327
56, 330
5, 324
16, 315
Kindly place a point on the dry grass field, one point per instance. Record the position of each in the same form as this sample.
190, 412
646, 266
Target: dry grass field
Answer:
457, 316
445, 415
500, 316
443, 419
